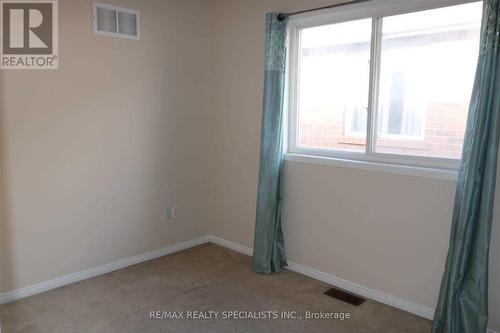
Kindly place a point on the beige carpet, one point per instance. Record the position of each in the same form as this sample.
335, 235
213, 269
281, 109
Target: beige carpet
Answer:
204, 278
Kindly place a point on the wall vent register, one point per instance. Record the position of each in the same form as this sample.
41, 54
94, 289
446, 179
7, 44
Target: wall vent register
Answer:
114, 21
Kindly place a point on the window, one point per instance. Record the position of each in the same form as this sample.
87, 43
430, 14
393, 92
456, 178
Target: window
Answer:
115, 21
384, 83
334, 76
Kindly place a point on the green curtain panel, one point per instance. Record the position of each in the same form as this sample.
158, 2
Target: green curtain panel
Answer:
463, 300
269, 248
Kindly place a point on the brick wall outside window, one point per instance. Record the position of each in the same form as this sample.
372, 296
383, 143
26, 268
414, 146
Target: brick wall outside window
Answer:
443, 135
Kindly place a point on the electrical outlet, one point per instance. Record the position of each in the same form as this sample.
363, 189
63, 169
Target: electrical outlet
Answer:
171, 213
168, 213
175, 212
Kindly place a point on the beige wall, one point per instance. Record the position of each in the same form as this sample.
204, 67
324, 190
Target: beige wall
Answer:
5, 263
94, 152
386, 232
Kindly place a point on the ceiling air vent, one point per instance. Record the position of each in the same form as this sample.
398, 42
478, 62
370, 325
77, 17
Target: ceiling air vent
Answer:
114, 21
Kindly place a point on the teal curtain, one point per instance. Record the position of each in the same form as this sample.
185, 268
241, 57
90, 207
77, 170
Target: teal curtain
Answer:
269, 248
463, 300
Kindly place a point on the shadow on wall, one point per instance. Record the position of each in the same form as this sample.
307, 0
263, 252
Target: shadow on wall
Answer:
6, 265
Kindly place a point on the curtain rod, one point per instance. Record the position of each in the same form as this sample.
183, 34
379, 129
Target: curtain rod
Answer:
282, 16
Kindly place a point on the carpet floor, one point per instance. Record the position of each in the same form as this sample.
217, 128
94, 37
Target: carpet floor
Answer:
215, 287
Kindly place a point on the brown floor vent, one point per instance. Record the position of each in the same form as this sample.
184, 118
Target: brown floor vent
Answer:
345, 296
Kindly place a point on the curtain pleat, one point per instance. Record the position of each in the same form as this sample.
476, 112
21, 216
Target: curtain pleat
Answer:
269, 248
463, 299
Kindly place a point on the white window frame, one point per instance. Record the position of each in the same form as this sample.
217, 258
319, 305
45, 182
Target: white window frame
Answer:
376, 9
117, 9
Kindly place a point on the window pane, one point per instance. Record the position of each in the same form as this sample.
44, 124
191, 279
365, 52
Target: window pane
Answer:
333, 86
427, 72
106, 19
127, 23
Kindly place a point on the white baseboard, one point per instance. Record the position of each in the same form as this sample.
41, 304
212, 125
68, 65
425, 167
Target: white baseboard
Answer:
230, 245
315, 274
360, 290
338, 282
96, 271
375, 295
352, 287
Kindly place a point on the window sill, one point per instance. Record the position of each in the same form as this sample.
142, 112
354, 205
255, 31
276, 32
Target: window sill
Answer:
435, 173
